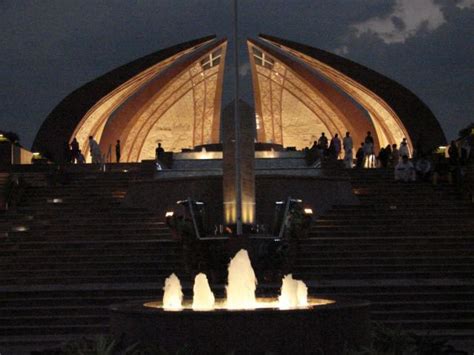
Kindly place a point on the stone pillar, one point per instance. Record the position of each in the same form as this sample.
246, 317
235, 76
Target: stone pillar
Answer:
246, 161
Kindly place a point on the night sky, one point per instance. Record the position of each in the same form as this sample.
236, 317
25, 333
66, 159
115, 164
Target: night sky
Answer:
51, 47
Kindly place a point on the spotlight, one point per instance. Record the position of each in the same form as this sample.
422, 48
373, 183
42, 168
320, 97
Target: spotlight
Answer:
308, 211
169, 214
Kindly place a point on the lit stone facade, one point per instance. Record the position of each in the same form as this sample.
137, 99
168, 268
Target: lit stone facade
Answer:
294, 105
174, 97
369, 100
175, 101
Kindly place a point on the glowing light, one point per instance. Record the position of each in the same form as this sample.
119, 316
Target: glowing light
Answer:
203, 298
294, 293
20, 228
173, 294
208, 155
240, 290
55, 200
308, 211
169, 214
248, 212
230, 212
241, 282
262, 303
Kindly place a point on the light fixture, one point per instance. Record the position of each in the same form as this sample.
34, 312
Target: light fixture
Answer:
169, 214
308, 211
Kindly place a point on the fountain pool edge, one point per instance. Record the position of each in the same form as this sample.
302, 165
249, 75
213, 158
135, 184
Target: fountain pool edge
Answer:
331, 328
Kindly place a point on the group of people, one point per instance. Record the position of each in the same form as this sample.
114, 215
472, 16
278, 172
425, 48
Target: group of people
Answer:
365, 155
390, 156
74, 154
325, 149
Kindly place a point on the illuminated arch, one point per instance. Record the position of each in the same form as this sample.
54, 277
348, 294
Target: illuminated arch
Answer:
393, 111
177, 89
294, 105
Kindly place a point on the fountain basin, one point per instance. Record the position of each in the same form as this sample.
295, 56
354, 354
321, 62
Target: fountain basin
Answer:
325, 325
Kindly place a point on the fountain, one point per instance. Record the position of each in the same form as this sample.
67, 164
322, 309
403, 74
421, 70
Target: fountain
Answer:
242, 283
293, 322
173, 294
203, 298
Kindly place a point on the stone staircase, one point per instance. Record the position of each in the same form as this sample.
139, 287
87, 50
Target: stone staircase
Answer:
69, 251
408, 248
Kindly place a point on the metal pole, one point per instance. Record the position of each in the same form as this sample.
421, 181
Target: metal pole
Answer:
238, 186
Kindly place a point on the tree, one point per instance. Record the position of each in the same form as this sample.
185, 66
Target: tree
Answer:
11, 136
466, 131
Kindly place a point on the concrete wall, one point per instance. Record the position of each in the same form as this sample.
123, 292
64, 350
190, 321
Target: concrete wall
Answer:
318, 193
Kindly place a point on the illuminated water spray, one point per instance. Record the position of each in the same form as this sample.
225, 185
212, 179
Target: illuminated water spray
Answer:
241, 282
203, 298
240, 289
173, 294
294, 293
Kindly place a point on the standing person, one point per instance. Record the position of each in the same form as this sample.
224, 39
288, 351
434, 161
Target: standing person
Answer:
74, 150
159, 153
80, 158
360, 156
453, 153
117, 151
347, 145
369, 150
323, 141
336, 146
454, 166
395, 155
388, 150
67, 153
383, 157
404, 148
95, 151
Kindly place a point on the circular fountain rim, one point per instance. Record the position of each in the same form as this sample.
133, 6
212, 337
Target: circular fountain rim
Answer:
139, 307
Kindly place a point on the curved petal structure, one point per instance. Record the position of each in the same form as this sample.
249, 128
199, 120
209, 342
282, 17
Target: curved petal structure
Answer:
171, 96
174, 97
393, 111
